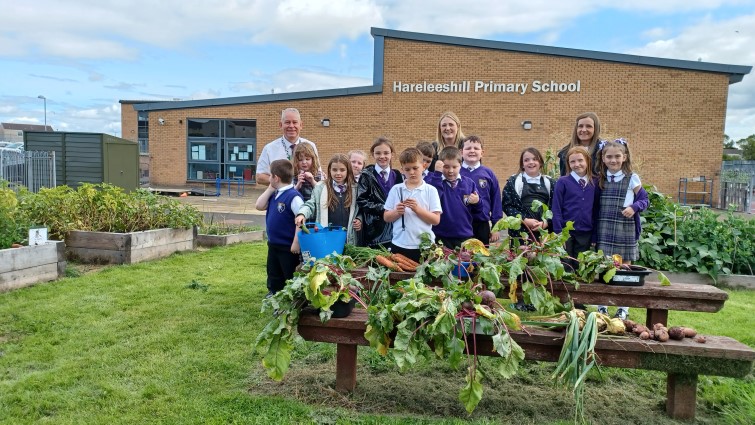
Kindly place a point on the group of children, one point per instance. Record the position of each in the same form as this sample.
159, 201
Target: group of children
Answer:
382, 206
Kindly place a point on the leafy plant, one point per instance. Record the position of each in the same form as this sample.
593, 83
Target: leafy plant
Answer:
14, 223
678, 238
105, 208
222, 227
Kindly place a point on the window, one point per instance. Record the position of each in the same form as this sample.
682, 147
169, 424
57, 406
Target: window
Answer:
142, 126
219, 148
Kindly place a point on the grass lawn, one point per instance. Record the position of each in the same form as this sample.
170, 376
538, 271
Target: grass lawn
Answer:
170, 341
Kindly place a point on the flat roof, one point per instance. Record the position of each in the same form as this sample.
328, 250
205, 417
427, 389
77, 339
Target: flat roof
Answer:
735, 72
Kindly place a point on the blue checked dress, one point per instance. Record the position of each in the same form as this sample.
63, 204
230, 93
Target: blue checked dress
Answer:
616, 233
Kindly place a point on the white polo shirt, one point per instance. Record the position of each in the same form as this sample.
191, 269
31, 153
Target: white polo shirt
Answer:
406, 234
279, 148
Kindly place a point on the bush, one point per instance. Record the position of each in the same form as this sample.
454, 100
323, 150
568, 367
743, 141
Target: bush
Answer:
106, 208
14, 225
678, 238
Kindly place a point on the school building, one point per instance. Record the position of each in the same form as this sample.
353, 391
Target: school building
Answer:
513, 95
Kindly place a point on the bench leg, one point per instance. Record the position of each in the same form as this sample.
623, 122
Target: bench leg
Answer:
656, 316
681, 396
346, 367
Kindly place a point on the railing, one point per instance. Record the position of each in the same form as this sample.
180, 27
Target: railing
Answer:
737, 185
33, 170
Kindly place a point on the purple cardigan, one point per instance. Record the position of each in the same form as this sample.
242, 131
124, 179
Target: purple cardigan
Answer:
572, 203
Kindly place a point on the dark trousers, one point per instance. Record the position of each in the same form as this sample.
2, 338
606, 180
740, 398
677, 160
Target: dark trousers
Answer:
281, 264
481, 231
453, 243
579, 241
414, 254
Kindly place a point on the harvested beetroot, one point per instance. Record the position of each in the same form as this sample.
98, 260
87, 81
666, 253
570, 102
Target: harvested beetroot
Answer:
488, 298
467, 305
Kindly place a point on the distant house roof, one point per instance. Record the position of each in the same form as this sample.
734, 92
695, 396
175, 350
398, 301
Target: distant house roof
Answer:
732, 151
25, 127
735, 72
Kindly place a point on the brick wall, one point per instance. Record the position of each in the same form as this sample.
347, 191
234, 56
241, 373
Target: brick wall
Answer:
672, 118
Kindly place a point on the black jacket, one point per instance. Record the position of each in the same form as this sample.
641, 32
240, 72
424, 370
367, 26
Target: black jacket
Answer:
371, 203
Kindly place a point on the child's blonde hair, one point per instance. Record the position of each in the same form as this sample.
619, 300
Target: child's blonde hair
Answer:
620, 144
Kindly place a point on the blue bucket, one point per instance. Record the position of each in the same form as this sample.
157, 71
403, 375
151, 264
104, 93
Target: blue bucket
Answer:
325, 241
461, 270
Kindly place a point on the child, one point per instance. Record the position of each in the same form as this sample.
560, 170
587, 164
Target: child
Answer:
375, 182
282, 202
357, 158
306, 169
489, 189
415, 203
428, 152
523, 189
334, 200
458, 197
619, 198
573, 199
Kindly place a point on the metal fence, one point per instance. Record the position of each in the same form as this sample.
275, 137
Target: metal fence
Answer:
737, 185
33, 170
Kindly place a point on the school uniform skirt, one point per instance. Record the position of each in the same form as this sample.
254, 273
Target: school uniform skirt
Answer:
616, 233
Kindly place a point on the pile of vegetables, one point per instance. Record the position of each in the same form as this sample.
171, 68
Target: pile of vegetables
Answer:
438, 311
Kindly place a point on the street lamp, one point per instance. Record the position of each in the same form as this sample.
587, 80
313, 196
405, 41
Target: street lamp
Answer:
45, 100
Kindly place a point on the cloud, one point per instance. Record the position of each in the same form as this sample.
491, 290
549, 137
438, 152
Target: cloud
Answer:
726, 41
122, 86
296, 80
655, 33
60, 79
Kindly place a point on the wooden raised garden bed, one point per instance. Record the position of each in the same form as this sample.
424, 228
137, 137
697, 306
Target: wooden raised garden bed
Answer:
127, 248
25, 266
223, 240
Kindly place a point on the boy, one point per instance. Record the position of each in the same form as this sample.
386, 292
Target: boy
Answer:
458, 198
428, 152
412, 206
282, 203
489, 190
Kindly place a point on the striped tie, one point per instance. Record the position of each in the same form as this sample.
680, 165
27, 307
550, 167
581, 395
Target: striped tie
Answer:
582, 183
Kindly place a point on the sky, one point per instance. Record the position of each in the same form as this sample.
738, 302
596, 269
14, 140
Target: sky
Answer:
84, 56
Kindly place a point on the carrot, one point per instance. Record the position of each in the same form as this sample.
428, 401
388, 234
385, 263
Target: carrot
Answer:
383, 261
404, 259
403, 263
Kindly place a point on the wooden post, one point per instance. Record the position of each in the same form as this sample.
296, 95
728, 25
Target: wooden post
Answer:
681, 396
346, 367
656, 315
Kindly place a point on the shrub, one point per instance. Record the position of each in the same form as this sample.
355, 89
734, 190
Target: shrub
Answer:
678, 238
106, 208
14, 224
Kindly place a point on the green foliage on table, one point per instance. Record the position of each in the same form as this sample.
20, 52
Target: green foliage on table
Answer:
680, 238
105, 208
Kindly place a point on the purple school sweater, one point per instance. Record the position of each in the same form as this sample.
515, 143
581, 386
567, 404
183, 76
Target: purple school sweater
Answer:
572, 203
456, 220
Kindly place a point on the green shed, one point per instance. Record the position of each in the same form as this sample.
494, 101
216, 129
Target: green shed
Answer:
89, 157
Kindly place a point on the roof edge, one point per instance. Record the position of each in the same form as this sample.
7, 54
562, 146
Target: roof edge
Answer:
735, 72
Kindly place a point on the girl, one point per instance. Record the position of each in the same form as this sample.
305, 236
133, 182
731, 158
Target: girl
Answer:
573, 199
374, 183
523, 189
357, 158
306, 169
333, 200
586, 133
620, 198
448, 134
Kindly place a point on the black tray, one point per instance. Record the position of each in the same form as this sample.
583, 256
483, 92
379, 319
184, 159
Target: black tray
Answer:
633, 277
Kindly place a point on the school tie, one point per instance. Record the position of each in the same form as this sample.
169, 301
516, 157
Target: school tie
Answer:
470, 169
452, 183
612, 179
384, 174
582, 183
341, 188
275, 194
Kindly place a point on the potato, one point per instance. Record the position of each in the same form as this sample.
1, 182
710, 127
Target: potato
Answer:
689, 332
638, 329
661, 335
700, 339
676, 332
645, 335
658, 326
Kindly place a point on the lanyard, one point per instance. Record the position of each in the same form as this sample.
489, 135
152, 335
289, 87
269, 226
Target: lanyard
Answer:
286, 147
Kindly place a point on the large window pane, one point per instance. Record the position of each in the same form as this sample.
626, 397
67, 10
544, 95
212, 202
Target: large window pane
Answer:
200, 127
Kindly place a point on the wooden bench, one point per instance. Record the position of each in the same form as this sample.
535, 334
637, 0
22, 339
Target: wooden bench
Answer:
682, 360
